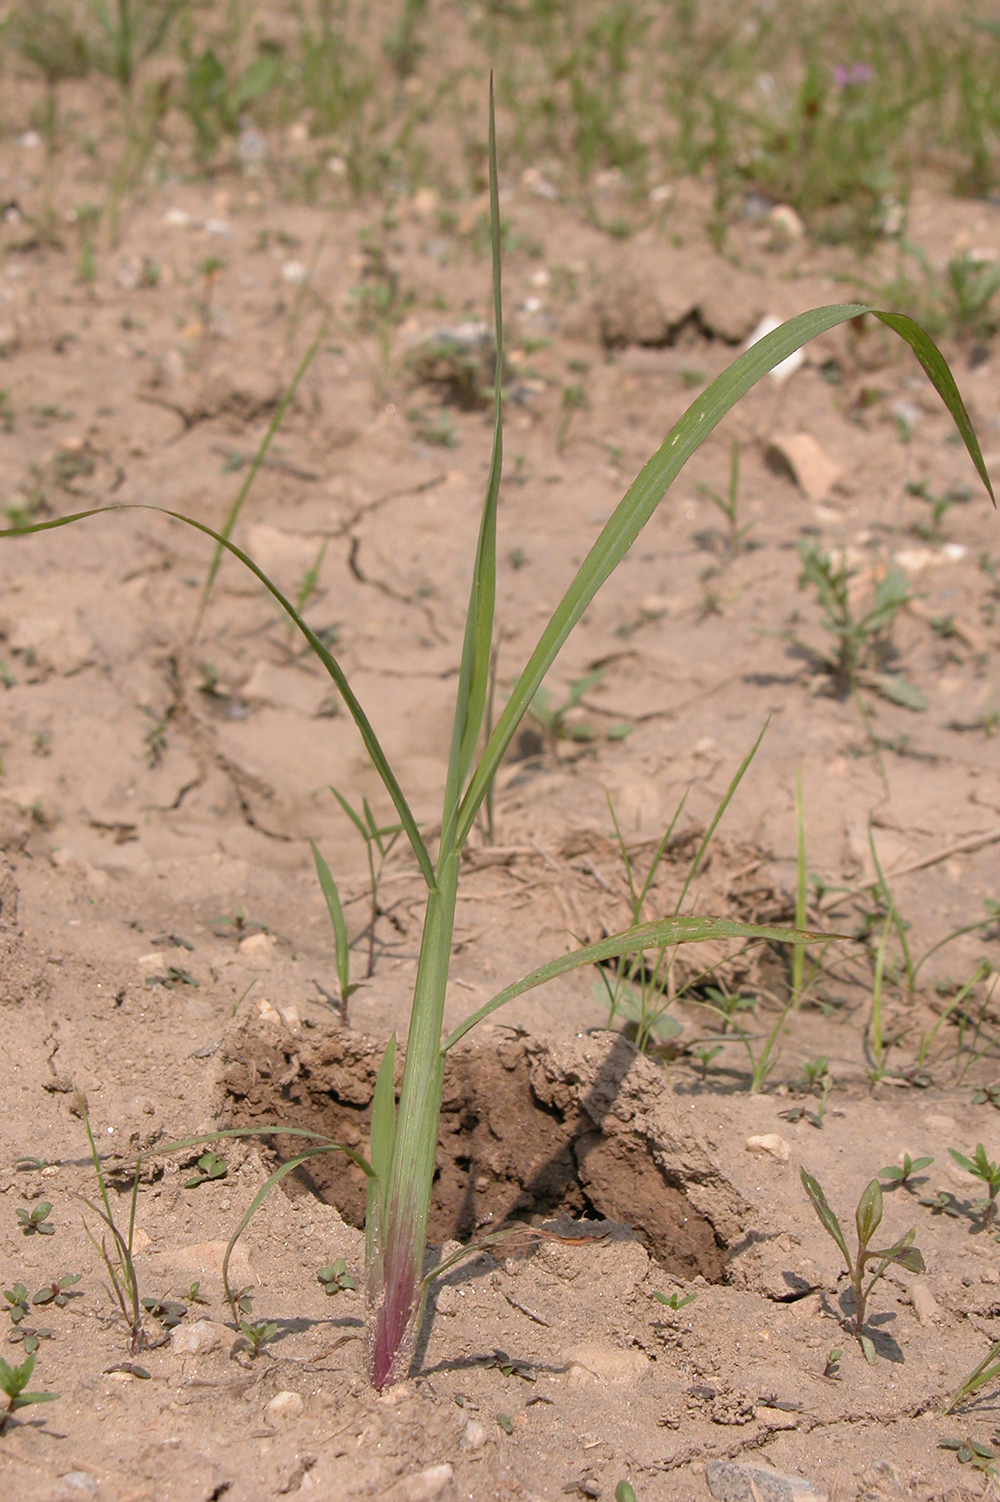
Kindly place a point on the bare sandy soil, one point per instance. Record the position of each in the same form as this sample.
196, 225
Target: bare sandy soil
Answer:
158, 792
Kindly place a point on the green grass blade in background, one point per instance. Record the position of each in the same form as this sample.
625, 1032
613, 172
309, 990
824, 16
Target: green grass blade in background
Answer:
724, 804
649, 487
940, 376
336, 912
658, 935
258, 459
473, 678
333, 667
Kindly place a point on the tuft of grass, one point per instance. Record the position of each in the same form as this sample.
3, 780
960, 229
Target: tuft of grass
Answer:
404, 1137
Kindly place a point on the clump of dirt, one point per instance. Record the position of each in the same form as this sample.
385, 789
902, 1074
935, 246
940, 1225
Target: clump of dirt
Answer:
529, 1129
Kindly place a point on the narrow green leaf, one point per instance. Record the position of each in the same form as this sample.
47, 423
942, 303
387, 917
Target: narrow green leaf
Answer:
222, 540
330, 663
646, 492
818, 1199
474, 672
355, 818
336, 912
964, 1162
383, 1132
724, 804
262, 1193
659, 935
897, 688
941, 378
868, 1216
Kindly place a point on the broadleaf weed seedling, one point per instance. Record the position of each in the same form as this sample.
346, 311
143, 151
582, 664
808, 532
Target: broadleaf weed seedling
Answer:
36, 1221
675, 1301
254, 1337
988, 1173
209, 1168
404, 1140
17, 1303
868, 1218
57, 1292
900, 1176
335, 1278
13, 1382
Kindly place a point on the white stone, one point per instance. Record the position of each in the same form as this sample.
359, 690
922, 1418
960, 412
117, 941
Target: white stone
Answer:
790, 364
424, 1486
924, 1303
153, 966
197, 1339
770, 1145
286, 1405
813, 471
474, 1435
257, 951
593, 1362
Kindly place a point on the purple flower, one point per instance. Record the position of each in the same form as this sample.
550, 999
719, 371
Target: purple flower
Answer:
856, 73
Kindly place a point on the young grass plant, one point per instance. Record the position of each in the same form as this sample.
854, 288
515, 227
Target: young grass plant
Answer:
404, 1140
867, 1218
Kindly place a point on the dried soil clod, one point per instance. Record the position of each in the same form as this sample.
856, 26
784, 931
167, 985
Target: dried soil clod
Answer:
528, 1129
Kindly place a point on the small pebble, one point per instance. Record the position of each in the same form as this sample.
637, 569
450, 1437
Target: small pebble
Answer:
286, 1405
474, 1435
770, 1145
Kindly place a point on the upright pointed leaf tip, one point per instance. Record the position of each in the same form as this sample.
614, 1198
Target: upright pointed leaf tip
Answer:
477, 647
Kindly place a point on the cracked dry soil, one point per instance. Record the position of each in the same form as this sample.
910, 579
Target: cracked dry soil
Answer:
157, 795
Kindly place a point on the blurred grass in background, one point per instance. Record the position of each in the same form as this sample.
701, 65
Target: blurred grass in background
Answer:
831, 106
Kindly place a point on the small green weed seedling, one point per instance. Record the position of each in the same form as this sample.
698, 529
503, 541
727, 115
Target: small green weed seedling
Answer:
940, 506
831, 1367
169, 1312
901, 1176
675, 1301
988, 1173
17, 1302
941, 1203
868, 1218
37, 1221
973, 1453
13, 1381
856, 637
191, 1294
987, 1095
982, 1375
254, 1337
209, 1168
553, 719
335, 1278
57, 1292
735, 540
405, 1139
625, 1492
705, 1056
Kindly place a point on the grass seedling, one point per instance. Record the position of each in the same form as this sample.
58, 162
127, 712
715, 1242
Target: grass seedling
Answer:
986, 1372
13, 1381
405, 1138
209, 1167
132, 31
927, 1037
37, 1221
118, 1262
335, 1278
729, 506
379, 840
868, 1218
900, 1176
988, 1173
